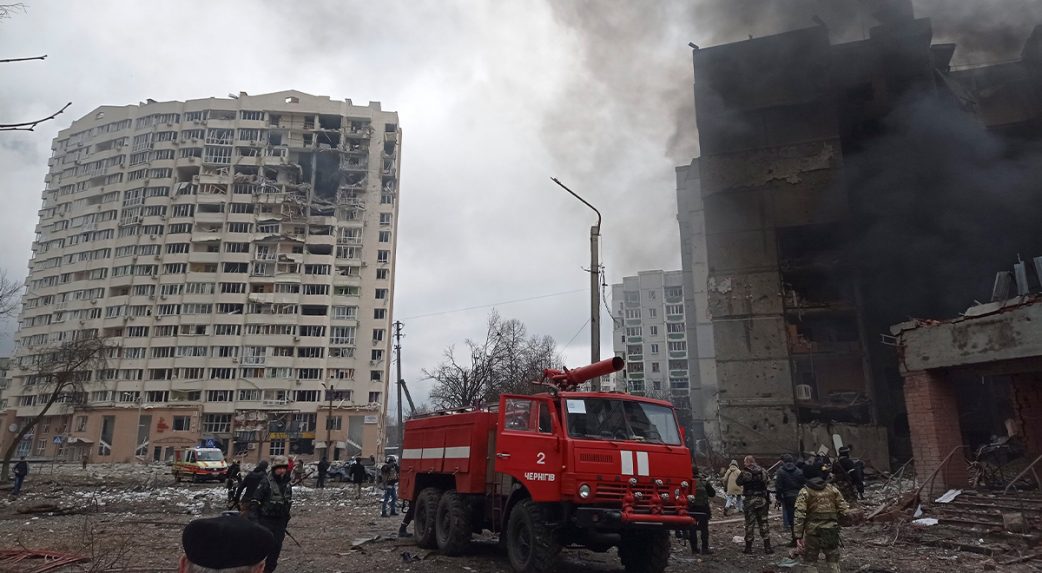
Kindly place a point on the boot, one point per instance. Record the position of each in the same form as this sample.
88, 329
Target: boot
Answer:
402, 532
706, 550
767, 546
793, 542
748, 547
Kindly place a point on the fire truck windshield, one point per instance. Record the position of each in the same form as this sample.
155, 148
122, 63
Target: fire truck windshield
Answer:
627, 420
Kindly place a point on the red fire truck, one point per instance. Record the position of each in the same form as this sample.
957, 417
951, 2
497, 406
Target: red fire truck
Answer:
597, 469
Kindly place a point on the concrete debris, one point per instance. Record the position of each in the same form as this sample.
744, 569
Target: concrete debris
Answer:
948, 496
925, 521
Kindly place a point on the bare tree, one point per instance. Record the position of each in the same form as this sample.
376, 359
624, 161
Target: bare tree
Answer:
10, 296
506, 361
7, 11
58, 374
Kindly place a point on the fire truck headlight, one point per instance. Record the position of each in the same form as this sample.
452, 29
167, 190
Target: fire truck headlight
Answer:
691, 499
658, 483
665, 497
684, 484
633, 481
676, 493
585, 491
638, 495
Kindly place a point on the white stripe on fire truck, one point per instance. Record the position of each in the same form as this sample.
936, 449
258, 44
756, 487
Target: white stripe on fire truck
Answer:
642, 464
627, 462
450, 453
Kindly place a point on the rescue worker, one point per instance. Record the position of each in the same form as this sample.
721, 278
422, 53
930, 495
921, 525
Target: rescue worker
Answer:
323, 469
389, 476
788, 482
272, 502
702, 512
249, 485
358, 476
297, 471
732, 491
819, 508
232, 480
21, 469
224, 543
849, 477
757, 500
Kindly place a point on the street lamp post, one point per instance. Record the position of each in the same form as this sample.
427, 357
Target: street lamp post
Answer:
595, 275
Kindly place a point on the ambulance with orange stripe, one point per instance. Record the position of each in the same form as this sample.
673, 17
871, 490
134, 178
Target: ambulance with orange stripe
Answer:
597, 469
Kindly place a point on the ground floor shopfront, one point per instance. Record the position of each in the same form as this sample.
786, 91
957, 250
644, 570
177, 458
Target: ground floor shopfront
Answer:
152, 434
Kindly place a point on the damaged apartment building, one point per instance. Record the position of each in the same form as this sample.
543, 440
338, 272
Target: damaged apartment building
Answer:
841, 188
238, 255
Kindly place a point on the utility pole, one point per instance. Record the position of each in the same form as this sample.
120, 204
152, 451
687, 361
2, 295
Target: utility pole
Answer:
398, 361
595, 285
329, 422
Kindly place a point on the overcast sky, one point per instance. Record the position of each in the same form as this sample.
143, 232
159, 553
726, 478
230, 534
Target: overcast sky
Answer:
494, 98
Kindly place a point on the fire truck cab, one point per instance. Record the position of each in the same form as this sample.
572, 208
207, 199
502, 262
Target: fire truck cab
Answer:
543, 471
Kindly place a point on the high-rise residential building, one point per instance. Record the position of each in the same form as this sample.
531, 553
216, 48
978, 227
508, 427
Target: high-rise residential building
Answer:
238, 254
650, 321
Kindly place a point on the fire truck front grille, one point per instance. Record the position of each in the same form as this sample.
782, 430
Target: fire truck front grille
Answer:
616, 492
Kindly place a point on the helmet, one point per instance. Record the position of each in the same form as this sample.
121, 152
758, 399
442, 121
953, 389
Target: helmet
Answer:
391, 459
277, 461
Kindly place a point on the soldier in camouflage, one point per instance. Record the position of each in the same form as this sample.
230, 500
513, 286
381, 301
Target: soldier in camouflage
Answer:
757, 501
819, 508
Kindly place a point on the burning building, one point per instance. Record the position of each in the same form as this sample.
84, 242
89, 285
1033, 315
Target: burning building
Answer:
842, 188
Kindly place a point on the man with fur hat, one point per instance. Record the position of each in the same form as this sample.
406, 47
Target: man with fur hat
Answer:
271, 503
225, 544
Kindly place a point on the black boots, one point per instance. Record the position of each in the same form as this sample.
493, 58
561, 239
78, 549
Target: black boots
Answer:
748, 547
705, 550
767, 546
402, 532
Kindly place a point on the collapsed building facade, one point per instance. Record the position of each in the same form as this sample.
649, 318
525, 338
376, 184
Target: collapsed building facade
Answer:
238, 256
829, 202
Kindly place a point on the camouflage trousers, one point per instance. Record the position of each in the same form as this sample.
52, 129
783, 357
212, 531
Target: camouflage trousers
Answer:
817, 542
756, 514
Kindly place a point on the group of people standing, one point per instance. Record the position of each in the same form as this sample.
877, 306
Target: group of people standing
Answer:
265, 494
814, 494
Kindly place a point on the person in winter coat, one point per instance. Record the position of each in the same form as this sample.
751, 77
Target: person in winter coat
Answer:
249, 485
323, 469
819, 508
788, 482
232, 479
757, 500
21, 469
358, 476
702, 512
732, 491
389, 478
847, 476
272, 502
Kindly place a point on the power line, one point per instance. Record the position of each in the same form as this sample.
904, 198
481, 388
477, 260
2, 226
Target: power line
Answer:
443, 312
577, 333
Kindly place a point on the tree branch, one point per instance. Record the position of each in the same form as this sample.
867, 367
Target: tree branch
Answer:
10, 60
31, 125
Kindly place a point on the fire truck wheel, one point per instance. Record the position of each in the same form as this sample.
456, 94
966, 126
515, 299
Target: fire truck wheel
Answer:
425, 518
645, 552
531, 545
452, 527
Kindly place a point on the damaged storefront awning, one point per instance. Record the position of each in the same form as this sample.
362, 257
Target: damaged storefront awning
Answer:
79, 440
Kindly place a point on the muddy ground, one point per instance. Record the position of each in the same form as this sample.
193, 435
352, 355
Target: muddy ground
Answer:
129, 518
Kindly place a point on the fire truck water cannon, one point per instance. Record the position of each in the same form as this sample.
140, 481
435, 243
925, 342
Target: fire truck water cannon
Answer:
566, 379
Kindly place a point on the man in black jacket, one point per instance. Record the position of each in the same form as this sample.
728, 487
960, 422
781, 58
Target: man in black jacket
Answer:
249, 485
233, 477
756, 500
323, 469
701, 511
787, 485
21, 469
272, 502
358, 476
